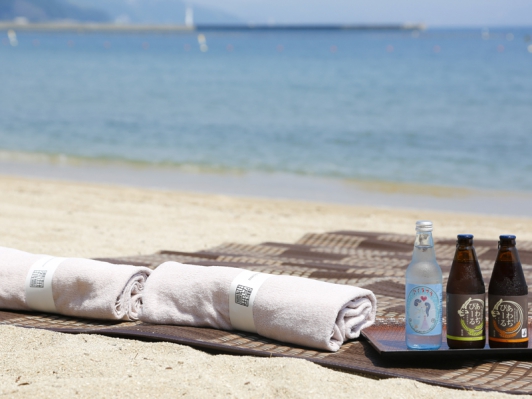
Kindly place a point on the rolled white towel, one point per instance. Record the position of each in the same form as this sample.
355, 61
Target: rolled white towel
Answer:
80, 287
286, 308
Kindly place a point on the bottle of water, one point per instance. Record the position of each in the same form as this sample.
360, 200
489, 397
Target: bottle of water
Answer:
423, 293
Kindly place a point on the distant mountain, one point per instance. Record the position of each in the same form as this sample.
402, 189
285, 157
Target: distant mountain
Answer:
50, 10
157, 12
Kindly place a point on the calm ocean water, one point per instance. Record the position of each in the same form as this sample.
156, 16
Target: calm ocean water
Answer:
436, 107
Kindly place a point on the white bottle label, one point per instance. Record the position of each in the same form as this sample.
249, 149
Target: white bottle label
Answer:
424, 309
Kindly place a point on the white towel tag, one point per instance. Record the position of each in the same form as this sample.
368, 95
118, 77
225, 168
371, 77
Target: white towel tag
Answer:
242, 295
39, 294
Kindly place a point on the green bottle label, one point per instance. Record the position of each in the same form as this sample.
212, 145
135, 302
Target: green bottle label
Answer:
466, 315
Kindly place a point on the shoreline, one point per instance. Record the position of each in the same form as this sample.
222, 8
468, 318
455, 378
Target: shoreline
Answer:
275, 185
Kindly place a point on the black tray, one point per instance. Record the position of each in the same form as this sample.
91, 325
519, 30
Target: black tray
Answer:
388, 339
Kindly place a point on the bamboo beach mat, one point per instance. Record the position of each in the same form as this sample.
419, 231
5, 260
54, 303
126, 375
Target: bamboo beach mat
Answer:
371, 260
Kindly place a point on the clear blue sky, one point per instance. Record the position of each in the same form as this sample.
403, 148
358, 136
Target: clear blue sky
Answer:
432, 12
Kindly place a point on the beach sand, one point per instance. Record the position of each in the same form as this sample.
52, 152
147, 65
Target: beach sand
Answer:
94, 220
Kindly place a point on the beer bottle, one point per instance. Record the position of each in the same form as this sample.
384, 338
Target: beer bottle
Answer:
423, 293
466, 294
508, 299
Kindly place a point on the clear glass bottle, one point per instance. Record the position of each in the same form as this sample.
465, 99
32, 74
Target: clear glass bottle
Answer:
423, 293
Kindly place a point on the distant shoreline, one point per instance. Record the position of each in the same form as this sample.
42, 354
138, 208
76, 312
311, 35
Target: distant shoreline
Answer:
138, 28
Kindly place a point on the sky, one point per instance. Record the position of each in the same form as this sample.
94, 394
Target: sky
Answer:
434, 13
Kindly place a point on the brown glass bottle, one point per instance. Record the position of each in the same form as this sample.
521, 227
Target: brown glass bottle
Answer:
508, 302
466, 295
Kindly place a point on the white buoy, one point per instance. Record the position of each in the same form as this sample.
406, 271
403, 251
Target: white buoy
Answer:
202, 41
12, 36
189, 17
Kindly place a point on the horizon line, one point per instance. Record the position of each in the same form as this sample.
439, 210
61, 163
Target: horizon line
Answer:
177, 28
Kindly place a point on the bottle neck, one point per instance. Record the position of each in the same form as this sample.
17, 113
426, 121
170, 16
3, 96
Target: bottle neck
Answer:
465, 276
424, 239
508, 253
464, 253
424, 247
507, 277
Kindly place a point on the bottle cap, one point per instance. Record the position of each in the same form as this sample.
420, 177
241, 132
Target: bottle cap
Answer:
465, 236
423, 225
507, 237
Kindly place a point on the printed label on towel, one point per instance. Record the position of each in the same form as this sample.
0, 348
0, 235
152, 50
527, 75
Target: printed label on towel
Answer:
37, 278
242, 295
39, 293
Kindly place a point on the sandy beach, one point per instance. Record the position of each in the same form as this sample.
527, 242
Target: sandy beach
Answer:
96, 220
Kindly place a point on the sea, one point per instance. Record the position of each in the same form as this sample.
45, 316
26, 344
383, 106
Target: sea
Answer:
317, 112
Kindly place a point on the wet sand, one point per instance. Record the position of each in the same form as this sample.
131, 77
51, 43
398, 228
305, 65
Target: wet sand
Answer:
268, 185
94, 220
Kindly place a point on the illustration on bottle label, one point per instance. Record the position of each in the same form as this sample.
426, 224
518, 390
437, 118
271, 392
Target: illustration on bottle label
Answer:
465, 317
508, 322
423, 309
